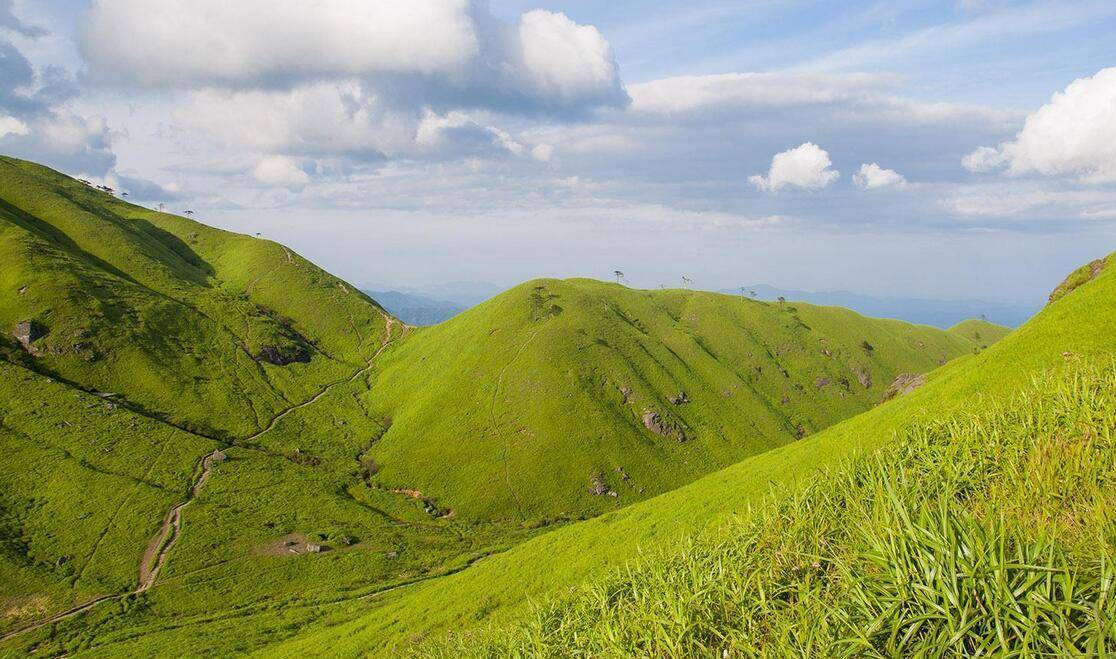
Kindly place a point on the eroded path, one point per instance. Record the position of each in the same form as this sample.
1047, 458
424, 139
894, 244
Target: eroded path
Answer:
164, 541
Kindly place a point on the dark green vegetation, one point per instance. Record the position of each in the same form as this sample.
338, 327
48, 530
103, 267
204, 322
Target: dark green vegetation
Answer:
211, 443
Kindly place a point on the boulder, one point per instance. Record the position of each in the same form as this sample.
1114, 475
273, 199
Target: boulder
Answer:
27, 333
904, 384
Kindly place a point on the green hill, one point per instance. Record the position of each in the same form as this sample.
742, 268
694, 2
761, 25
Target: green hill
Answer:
970, 402
980, 333
210, 442
569, 398
211, 330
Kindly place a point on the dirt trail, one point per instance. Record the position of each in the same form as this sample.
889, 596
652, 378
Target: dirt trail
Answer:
492, 415
168, 535
160, 546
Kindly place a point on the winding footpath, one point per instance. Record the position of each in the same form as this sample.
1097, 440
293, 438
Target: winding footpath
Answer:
160, 546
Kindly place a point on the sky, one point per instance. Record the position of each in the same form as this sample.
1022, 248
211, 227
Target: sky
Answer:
962, 149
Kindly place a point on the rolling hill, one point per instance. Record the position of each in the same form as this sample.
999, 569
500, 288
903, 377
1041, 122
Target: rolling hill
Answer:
1047, 381
980, 332
202, 428
213, 331
561, 399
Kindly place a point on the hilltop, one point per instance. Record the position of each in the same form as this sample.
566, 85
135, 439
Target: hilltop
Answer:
980, 333
1067, 348
566, 398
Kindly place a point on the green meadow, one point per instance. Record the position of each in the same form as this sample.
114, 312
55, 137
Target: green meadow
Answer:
213, 446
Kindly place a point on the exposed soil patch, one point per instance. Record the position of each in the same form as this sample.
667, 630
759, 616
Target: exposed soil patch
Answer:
23, 607
292, 543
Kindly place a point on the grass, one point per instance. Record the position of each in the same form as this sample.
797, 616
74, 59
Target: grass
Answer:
443, 469
927, 548
980, 333
544, 391
499, 590
168, 313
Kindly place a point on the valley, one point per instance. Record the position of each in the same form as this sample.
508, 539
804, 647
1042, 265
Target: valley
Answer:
211, 442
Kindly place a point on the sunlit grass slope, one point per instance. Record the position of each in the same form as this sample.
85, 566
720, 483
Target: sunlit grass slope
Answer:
980, 333
180, 319
569, 398
974, 392
987, 532
83, 485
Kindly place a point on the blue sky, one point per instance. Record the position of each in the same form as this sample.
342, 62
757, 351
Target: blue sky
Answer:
940, 149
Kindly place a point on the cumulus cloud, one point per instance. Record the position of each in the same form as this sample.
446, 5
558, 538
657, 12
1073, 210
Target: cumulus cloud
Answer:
1074, 135
566, 61
448, 54
280, 171
806, 166
872, 177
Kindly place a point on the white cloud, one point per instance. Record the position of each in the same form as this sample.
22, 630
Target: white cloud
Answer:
806, 166
321, 119
280, 171
872, 177
12, 126
984, 159
1023, 201
449, 54
1074, 135
203, 42
737, 90
565, 60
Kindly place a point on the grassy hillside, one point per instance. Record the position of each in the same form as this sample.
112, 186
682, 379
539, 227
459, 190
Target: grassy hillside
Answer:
214, 331
561, 399
209, 441
497, 590
980, 333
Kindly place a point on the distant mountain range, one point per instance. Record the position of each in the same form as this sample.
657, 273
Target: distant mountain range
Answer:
432, 304
938, 313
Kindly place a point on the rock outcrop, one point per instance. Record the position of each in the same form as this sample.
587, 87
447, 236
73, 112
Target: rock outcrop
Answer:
27, 333
904, 384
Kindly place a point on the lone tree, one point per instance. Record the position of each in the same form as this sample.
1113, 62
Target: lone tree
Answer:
619, 275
